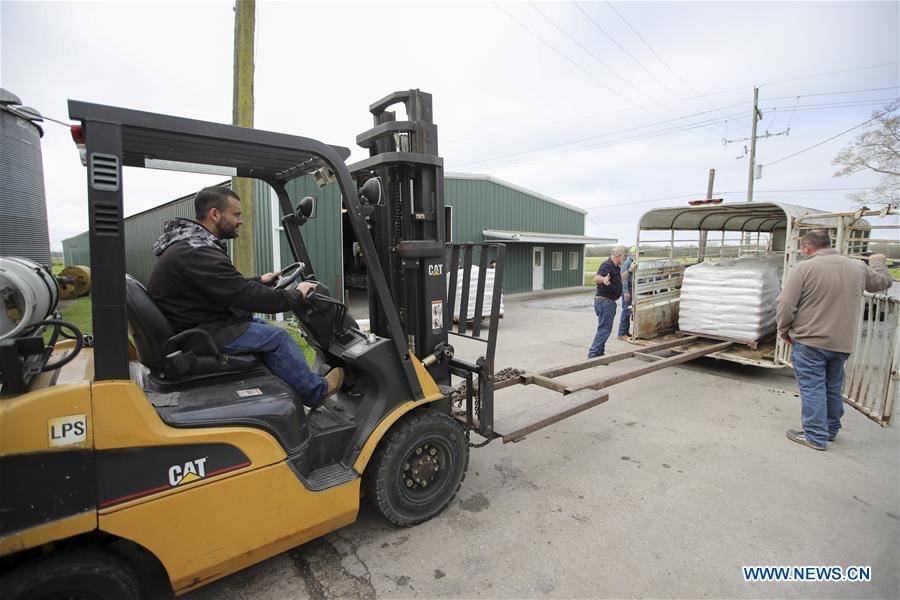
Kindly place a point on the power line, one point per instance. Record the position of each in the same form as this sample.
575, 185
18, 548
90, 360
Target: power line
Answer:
656, 54
499, 160
572, 120
592, 55
744, 87
881, 114
829, 105
583, 117
860, 91
541, 152
566, 58
594, 137
640, 64
878, 66
610, 69
575, 64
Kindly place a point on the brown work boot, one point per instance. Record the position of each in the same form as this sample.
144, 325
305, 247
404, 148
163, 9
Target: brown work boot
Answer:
800, 438
334, 379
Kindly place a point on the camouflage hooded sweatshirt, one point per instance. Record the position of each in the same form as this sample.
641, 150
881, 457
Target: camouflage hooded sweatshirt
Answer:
194, 284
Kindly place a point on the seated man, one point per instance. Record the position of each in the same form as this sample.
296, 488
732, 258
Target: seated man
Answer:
195, 284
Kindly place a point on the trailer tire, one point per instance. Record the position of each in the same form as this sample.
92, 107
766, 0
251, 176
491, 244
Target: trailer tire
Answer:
76, 574
418, 467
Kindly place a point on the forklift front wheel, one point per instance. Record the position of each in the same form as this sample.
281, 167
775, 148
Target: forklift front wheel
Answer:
418, 467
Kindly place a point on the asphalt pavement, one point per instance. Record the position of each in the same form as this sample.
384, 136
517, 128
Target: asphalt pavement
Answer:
667, 490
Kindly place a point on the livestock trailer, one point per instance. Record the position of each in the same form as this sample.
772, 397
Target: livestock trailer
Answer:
669, 240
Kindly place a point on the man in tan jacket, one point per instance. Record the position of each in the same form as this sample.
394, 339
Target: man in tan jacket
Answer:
819, 313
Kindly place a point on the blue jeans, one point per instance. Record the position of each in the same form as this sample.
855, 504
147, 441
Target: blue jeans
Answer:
820, 377
283, 357
606, 314
625, 319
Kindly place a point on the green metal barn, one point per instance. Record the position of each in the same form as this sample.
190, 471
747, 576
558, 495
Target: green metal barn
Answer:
544, 237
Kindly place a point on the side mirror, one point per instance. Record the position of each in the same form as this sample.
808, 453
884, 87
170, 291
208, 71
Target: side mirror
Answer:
306, 209
370, 193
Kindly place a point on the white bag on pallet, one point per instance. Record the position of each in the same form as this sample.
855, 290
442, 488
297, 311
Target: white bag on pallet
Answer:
731, 298
473, 289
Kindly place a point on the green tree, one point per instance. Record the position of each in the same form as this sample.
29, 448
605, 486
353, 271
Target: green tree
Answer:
876, 149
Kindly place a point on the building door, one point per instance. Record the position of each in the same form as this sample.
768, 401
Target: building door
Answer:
537, 263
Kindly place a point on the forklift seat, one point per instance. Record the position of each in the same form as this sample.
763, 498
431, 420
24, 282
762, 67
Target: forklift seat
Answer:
171, 357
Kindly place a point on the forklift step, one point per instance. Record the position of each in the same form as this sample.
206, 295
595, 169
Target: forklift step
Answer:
516, 427
330, 476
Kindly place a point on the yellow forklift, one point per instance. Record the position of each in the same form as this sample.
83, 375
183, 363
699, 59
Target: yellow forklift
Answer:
138, 445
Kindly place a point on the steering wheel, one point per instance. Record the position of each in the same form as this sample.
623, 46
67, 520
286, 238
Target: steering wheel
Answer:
296, 272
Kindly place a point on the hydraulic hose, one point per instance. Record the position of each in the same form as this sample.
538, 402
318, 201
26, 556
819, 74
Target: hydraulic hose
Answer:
59, 325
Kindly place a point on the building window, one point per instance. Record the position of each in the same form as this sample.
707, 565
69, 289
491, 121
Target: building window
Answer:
557, 261
573, 261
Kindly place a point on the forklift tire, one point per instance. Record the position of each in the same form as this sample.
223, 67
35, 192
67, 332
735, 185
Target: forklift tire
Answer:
77, 574
418, 467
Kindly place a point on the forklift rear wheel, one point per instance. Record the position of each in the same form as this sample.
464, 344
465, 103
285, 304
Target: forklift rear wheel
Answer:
418, 467
82, 574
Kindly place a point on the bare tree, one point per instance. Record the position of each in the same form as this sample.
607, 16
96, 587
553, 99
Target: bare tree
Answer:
876, 149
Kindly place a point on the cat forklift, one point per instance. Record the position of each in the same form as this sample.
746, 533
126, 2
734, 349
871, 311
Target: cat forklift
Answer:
141, 445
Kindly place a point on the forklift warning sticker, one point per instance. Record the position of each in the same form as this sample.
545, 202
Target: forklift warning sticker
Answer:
65, 431
250, 392
437, 314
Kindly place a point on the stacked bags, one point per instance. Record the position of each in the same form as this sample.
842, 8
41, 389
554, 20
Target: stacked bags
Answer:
473, 288
731, 298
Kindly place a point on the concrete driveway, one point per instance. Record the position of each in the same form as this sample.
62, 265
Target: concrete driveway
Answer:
667, 490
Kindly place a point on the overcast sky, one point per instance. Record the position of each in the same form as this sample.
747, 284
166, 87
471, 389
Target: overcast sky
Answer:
613, 108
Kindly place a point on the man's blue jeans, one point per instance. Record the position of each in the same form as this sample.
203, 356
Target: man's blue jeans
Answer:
283, 357
820, 377
606, 314
625, 319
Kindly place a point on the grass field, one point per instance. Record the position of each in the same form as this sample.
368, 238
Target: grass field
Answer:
78, 312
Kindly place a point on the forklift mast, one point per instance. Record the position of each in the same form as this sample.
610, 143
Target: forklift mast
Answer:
407, 224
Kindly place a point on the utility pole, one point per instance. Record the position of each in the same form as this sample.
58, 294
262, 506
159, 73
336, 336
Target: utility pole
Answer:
756, 117
244, 31
701, 254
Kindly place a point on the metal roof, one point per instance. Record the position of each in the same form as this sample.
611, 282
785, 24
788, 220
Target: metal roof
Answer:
534, 237
513, 186
743, 216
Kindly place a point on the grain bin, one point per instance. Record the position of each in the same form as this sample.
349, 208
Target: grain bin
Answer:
23, 207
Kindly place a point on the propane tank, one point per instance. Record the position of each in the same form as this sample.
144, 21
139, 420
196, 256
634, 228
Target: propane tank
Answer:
28, 295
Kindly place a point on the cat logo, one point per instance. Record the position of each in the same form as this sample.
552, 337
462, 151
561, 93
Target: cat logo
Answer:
435, 270
191, 471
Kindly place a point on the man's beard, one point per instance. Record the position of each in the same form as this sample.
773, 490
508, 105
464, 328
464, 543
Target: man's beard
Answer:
228, 232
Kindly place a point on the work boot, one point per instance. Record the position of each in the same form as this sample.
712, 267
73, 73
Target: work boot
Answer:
334, 379
800, 438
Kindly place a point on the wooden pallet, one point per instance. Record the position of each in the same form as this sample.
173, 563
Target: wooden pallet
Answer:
752, 344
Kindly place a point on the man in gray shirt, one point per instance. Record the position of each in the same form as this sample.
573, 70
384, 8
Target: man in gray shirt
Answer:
818, 313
